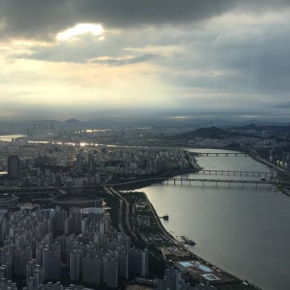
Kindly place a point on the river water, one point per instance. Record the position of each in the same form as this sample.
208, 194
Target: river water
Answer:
9, 138
241, 229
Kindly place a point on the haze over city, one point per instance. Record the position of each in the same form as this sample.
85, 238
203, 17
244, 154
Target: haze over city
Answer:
86, 59
144, 145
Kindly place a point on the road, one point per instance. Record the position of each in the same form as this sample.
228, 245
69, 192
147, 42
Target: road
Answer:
123, 202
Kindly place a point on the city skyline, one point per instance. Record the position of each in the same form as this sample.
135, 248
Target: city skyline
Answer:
102, 58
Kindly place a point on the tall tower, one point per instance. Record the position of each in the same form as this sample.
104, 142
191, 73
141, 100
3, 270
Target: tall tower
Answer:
79, 162
13, 163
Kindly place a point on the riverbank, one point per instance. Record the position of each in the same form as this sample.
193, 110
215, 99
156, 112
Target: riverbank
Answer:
197, 211
226, 280
278, 170
163, 199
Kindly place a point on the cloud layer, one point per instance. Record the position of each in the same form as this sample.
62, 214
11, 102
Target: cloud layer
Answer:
228, 57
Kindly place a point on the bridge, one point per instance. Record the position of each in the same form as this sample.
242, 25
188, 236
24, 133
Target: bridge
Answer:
217, 154
235, 172
190, 181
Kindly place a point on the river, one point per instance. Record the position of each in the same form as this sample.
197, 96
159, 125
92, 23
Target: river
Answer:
241, 229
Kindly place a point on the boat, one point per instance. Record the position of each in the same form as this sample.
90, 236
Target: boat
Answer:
188, 241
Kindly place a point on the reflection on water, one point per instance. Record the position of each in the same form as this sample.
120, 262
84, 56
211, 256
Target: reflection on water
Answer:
244, 230
11, 137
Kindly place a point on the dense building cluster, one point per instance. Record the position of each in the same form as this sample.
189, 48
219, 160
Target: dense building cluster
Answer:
48, 164
43, 246
239, 142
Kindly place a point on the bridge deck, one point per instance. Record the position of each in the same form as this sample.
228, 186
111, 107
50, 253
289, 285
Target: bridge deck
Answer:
221, 154
222, 180
209, 171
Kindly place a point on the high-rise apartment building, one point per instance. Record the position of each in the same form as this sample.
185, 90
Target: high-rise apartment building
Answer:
75, 265
91, 162
110, 270
79, 162
13, 164
92, 269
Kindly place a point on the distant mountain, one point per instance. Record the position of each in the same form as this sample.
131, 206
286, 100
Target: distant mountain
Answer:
72, 121
210, 132
44, 121
277, 128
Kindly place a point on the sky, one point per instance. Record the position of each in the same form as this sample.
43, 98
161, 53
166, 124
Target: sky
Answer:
87, 59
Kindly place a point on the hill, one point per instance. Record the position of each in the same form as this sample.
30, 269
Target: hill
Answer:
210, 132
72, 121
274, 128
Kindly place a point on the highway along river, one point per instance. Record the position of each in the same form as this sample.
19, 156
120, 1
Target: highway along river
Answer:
241, 229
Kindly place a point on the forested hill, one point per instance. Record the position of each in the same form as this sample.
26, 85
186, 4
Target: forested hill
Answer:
210, 132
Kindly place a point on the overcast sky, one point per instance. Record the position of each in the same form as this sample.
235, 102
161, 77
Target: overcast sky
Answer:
90, 58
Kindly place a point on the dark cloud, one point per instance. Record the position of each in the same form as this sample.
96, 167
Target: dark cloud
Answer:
237, 64
280, 105
42, 19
